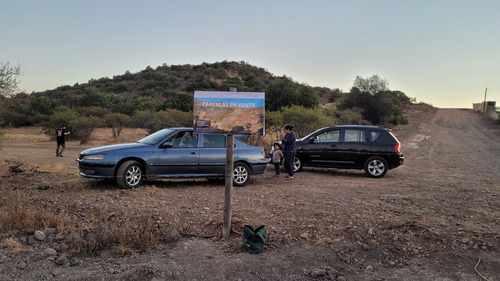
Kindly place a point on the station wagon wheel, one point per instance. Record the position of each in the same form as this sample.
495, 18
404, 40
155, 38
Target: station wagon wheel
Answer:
376, 167
297, 164
241, 174
129, 175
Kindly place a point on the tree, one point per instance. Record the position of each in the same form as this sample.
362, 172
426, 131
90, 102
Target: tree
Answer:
117, 121
145, 103
93, 111
351, 116
84, 126
62, 115
8, 79
152, 121
372, 85
202, 83
42, 105
282, 92
382, 108
308, 97
180, 101
306, 120
92, 98
180, 118
114, 102
274, 123
145, 119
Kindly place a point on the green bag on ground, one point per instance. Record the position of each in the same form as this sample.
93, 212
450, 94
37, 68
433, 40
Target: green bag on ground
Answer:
255, 240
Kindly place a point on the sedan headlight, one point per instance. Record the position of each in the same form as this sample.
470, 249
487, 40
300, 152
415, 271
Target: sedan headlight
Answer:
94, 157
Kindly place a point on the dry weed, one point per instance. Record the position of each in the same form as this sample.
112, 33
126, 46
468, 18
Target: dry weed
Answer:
58, 168
138, 237
4, 168
34, 134
124, 238
105, 135
14, 246
17, 215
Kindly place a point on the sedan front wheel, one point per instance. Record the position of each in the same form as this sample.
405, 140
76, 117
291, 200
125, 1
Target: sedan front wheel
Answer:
129, 175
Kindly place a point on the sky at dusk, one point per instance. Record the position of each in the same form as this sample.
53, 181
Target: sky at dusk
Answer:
445, 53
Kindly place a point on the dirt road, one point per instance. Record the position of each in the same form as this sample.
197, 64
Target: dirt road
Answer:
436, 217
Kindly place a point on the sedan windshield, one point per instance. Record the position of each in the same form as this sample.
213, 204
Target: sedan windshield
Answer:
156, 137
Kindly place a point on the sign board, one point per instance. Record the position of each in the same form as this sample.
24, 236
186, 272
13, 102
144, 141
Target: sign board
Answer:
229, 112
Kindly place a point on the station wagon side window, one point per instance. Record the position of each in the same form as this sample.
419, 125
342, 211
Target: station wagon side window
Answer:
354, 135
328, 136
374, 135
214, 141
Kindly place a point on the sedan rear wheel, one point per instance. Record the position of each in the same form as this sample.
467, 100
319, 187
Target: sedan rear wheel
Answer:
376, 167
241, 174
130, 175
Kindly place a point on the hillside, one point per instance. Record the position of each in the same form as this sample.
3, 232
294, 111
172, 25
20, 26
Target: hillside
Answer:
164, 88
434, 218
165, 81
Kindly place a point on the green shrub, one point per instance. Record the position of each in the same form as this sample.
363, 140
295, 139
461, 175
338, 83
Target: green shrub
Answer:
305, 120
84, 126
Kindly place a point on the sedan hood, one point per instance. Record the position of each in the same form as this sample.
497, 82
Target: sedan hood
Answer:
113, 147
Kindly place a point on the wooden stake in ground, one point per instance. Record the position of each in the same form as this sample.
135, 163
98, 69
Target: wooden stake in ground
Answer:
226, 223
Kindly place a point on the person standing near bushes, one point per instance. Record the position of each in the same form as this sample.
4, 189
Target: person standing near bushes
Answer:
61, 134
288, 143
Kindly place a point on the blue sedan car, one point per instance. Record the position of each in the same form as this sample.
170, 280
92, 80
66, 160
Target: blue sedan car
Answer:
171, 153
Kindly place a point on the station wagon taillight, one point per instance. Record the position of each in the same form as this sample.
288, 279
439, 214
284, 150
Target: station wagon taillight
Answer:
397, 148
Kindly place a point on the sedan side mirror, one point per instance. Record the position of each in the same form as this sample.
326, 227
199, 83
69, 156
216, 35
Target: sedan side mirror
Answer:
167, 144
311, 140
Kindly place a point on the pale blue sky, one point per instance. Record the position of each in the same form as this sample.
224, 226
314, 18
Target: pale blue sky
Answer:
442, 52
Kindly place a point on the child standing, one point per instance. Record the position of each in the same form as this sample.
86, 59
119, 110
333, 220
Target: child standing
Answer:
276, 159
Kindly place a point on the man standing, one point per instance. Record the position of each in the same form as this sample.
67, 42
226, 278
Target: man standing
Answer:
61, 134
289, 150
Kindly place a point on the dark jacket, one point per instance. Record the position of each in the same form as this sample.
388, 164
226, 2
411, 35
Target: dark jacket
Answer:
288, 142
61, 135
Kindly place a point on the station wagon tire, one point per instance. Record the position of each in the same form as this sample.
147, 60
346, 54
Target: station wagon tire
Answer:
241, 174
130, 175
376, 167
297, 164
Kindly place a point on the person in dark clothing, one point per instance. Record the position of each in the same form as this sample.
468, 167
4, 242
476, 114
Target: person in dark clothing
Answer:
289, 150
61, 134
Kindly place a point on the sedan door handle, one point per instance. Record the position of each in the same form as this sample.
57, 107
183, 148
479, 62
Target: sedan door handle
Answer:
193, 152
334, 145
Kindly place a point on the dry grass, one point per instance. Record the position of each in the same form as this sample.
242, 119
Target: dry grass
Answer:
99, 136
105, 135
123, 239
135, 237
14, 246
87, 238
59, 168
92, 234
18, 215
34, 134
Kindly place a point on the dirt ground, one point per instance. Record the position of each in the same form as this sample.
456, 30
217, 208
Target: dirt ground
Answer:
437, 217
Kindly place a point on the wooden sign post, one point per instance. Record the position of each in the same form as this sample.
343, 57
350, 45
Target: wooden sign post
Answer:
226, 224
228, 113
